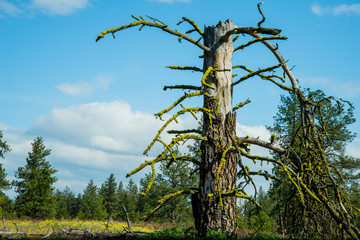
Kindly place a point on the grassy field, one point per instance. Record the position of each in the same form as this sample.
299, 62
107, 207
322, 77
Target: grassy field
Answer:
47, 226
90, 229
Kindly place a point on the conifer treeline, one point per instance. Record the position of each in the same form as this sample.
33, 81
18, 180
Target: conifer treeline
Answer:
37, 198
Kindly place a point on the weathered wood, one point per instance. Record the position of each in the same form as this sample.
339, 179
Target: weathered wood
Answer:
212, 210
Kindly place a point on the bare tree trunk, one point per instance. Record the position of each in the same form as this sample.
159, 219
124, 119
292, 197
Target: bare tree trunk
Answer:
216, 212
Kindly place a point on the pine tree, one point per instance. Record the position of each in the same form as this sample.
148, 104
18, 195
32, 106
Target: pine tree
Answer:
108, 193
172, 179
91, 206
120, 196
131, 199
35, 184
67, 204
4, 184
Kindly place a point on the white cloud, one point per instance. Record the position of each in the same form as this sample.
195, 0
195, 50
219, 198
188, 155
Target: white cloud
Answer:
76, 89
344, 9
8, 8
170, 1
59, 7
353, 148
318, 10
96, 139
253, 131
106, 126
347, 9
99, 81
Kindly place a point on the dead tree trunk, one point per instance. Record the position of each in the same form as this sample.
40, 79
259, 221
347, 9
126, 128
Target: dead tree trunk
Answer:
217, 174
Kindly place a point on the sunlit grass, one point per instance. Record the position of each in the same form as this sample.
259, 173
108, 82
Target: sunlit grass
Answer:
48, 226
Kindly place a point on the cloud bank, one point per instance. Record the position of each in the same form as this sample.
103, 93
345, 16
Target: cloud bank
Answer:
90, 141
47, 7
343, 9
59, 7
8, 9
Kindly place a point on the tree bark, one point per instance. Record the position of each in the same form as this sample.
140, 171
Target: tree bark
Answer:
213, 211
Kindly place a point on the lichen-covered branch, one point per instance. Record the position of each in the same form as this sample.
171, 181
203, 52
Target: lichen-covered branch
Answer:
165, 199
157, 24
182, 111
269, 78
240, 105
265, 174
177, 102
206, 74
253, 73
258, 40
196, 27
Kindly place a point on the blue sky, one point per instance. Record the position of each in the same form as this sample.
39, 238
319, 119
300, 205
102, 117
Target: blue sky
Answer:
93, 102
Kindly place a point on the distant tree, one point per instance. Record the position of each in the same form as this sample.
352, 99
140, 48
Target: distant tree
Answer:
254, 218
34, 186
149, 201
61, 208
120, 192
4, 184
131, 199
119, 213
172, 179
67, 204
109, 195
91, 204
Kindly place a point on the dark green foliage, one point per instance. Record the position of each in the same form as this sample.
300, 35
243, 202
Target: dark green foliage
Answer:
108, 193
174, 178
178, 233
334, 118
7, 207
91, 206
34, 186
67, 204
4, 147
4, 184
256, 219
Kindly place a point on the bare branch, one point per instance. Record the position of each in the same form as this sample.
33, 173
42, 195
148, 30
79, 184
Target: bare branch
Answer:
263, 20
250, 30
184, 131
183, 87
262, 143
196, 69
